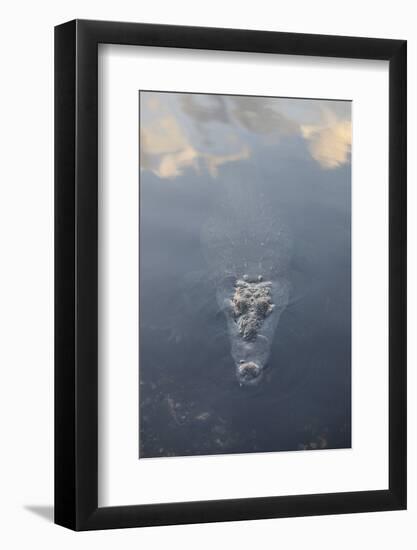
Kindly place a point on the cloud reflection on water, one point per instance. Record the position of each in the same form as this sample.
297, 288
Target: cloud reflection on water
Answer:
198, 131
329, 142
259, 115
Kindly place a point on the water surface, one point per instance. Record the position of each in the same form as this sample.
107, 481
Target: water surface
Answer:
296, 153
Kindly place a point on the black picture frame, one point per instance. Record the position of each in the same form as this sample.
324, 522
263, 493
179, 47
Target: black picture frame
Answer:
76, 272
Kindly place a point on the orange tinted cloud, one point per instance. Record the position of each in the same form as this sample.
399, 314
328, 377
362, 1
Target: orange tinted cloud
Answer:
166, 151
329, 143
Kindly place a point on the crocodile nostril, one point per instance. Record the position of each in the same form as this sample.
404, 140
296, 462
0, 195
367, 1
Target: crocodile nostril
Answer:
249, 371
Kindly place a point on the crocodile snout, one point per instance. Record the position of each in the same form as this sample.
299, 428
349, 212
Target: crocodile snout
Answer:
249, 372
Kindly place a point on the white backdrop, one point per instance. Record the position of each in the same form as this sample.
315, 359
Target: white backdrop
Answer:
122, 477
26, 206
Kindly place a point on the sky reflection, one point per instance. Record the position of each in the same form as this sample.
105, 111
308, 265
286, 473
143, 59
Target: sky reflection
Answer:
180, 132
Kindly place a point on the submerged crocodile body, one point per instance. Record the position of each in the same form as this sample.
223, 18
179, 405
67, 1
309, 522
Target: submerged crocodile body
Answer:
247, 250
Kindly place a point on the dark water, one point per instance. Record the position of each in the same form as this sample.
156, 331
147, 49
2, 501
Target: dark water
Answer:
190, 400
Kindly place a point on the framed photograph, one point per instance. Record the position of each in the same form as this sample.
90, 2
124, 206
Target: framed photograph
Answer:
230, 252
